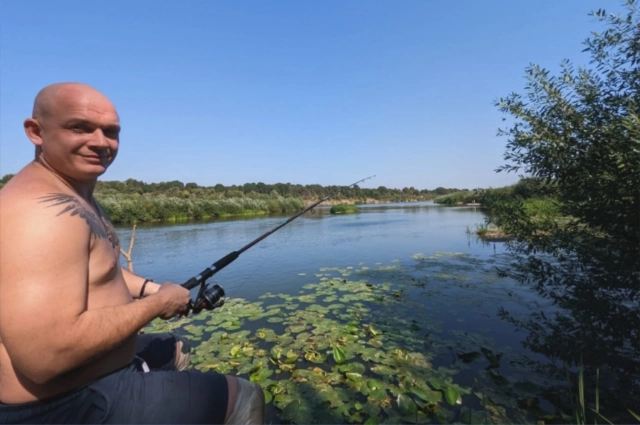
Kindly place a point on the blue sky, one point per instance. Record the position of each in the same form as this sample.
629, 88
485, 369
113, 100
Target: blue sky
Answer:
310, 92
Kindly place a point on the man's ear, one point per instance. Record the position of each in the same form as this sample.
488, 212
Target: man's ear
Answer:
33, 129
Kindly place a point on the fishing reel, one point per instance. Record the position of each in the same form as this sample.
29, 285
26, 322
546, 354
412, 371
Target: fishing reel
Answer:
207, 298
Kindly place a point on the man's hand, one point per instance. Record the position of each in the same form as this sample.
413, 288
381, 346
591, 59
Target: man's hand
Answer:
175, 299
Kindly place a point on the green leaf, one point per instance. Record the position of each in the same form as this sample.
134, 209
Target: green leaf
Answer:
379, 394
406, 405
291, 357
267, 396
338, 355
374, 384
354, 376
372, 421
383, 370
436, 383
426, 394
247, 368
315, 357
298, 411
276, 352
353, 367
260, 375
351, 328
452, 395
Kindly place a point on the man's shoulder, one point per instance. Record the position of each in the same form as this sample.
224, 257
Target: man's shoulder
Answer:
27, 193
33, 203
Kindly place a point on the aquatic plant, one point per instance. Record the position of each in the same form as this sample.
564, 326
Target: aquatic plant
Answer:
358, 345
344, 209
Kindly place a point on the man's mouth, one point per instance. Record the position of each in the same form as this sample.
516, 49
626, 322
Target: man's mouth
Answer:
96, 159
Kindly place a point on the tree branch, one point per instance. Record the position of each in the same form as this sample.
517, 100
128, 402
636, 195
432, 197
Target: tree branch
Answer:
127, 255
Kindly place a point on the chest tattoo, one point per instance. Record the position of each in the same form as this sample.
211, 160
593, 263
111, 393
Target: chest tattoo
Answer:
98, 223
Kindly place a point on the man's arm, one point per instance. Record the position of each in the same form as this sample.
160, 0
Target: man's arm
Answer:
135, 282
46, 325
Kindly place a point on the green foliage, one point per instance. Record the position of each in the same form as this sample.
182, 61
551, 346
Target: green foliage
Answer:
5, 179
261, 190
533, 192
139, 209
357, 353
578, 135
344, 209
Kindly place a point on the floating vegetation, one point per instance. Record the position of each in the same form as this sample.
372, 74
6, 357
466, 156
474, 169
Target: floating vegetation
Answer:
372, 349
344, 209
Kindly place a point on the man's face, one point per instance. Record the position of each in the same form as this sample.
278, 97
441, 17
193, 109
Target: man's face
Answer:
80, 135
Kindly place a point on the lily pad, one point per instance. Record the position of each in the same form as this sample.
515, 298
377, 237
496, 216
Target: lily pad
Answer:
353, 367
452, 395
267, 396
406, 405
427, 395
351, 328
374, 384
261, 374
383, 370
291, 357
437, 383
315, 357
338, 355
299, 411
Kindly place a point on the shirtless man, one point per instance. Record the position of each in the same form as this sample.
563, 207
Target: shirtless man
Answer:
69, 314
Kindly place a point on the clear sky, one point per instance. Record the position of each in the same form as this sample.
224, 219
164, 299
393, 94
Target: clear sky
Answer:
310, 92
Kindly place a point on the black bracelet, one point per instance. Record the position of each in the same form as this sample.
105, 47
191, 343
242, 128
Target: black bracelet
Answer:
143, 286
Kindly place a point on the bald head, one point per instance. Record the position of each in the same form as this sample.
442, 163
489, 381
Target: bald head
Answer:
75, 120
53, 97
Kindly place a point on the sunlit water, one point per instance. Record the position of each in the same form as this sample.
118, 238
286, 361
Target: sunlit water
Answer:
379, 234
456, 283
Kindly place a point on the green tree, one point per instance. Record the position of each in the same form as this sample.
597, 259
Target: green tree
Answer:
580, 133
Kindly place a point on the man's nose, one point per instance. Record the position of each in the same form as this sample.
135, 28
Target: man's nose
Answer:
98, 139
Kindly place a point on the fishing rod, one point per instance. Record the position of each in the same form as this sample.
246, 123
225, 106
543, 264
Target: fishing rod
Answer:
211, 298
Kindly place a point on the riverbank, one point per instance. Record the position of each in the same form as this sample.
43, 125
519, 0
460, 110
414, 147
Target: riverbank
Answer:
150, 208
132, 209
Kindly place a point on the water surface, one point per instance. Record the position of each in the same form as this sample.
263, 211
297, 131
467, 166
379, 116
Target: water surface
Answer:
444, 278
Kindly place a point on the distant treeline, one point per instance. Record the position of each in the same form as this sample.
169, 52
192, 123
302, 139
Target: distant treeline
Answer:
269, 191
134, 201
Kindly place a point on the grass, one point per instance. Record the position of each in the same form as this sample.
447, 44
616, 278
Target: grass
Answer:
484, 232
580, 408
123, 209
344, 209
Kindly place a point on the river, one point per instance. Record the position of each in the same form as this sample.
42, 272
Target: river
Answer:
451, 289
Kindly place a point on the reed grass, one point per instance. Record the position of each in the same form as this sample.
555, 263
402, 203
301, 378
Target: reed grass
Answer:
344, 209
581, 410
123, 209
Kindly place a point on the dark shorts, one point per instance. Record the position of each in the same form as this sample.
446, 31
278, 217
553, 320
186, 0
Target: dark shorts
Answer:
131, 395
